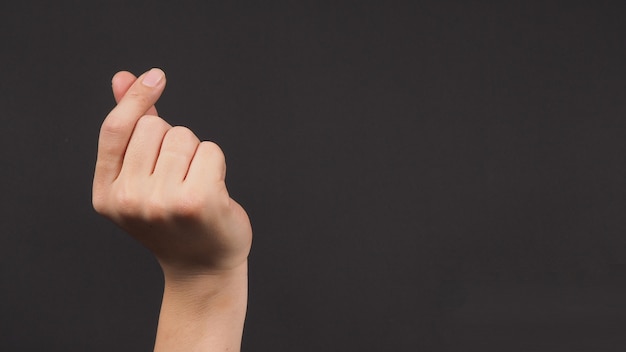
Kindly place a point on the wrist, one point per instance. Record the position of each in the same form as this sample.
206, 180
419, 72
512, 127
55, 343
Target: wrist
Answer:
202, 285
211, 306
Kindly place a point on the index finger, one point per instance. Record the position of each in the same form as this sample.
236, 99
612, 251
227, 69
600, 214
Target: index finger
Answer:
118, 126
120, 84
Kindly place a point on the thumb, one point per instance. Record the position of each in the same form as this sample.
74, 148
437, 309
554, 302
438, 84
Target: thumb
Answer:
120, 84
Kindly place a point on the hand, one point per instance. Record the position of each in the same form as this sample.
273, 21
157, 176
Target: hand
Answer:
165, 187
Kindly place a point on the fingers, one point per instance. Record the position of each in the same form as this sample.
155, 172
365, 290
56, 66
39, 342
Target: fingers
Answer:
143, 148
120, 84
208, 164
118, 126
177, 151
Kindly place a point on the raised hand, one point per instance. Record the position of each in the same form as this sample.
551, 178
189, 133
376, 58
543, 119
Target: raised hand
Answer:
166, 188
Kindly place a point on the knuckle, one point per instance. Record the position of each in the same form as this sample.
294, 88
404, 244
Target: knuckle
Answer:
213, 149
139, 97
178, 134
128, 204
112, 126
214, 153
148, 121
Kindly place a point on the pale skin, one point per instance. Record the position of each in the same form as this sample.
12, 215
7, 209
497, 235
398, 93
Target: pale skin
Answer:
166, 188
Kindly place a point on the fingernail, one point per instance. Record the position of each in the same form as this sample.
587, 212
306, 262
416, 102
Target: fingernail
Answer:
152, 78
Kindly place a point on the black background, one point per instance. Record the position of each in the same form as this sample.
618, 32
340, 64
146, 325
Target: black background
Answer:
421, 176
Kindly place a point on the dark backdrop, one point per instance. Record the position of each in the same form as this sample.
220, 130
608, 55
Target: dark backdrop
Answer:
443, 176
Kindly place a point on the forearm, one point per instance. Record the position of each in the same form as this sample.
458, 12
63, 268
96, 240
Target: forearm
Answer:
203, 313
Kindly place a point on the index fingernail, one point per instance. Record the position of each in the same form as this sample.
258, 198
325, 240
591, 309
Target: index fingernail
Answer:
152, 78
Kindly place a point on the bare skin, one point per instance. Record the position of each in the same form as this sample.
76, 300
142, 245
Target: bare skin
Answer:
166, 188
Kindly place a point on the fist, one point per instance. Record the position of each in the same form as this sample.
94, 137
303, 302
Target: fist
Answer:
164, 186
